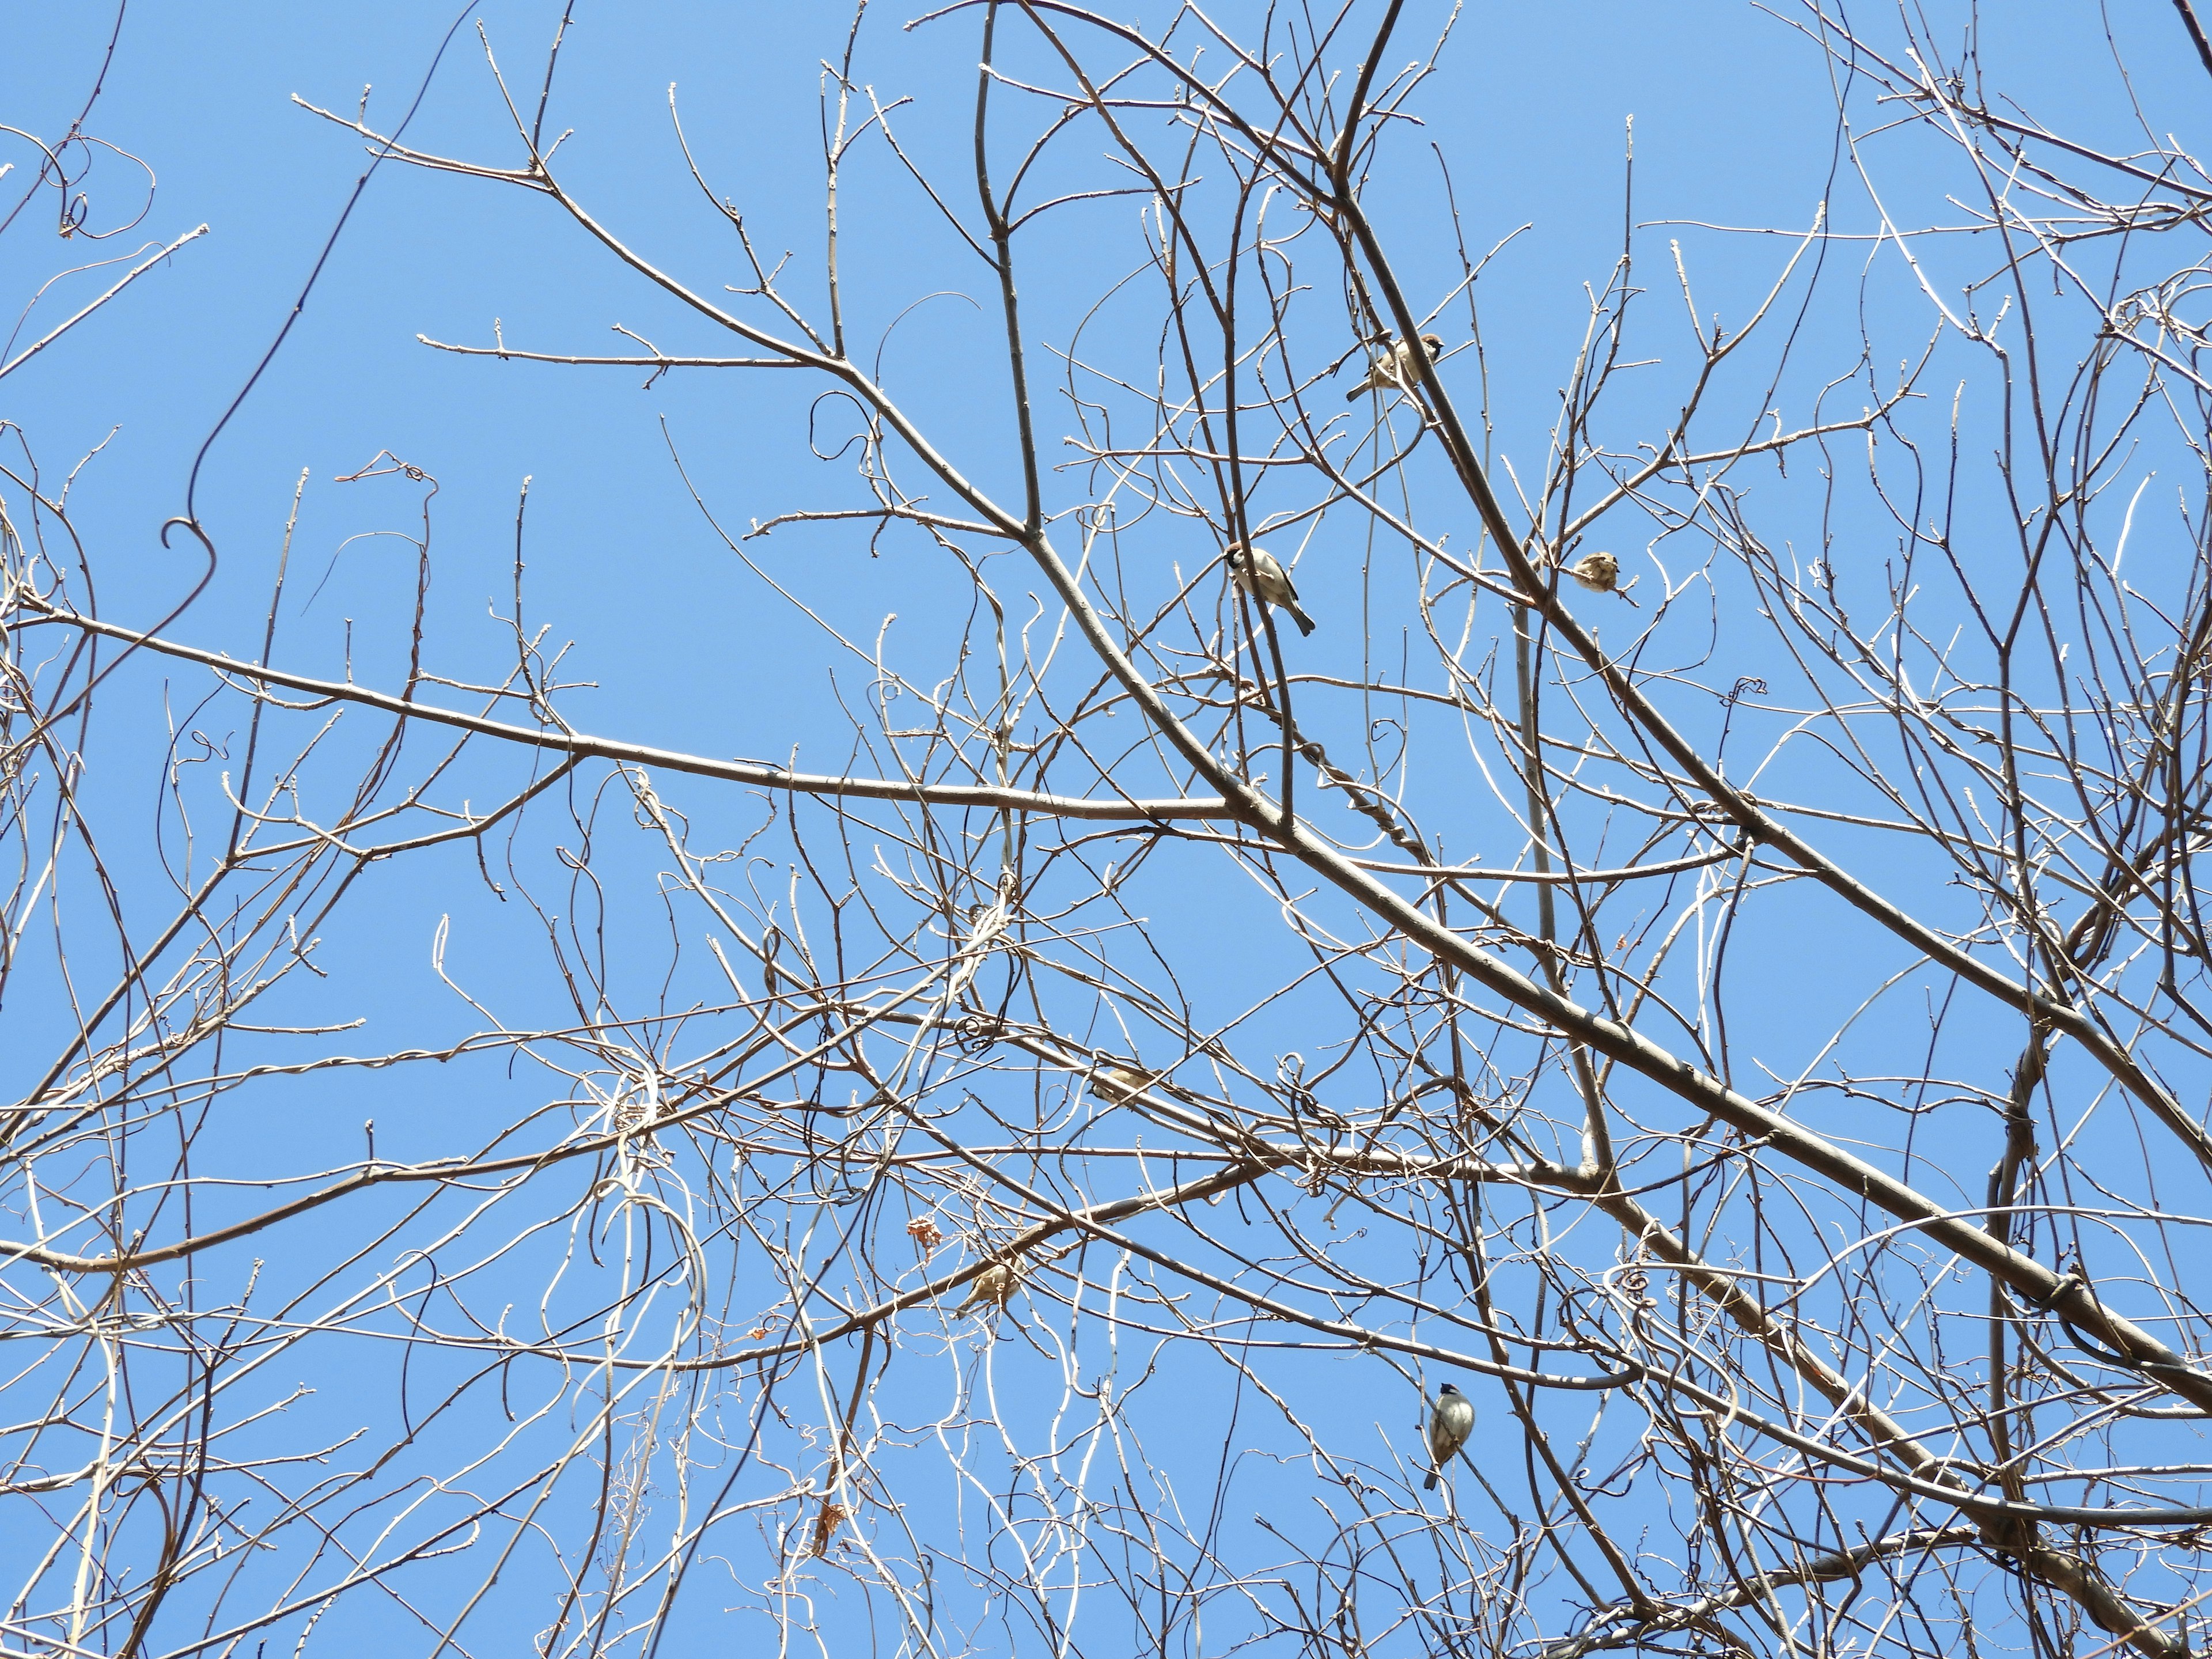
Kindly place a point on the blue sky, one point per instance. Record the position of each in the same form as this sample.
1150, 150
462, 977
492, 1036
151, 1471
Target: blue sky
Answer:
683, 646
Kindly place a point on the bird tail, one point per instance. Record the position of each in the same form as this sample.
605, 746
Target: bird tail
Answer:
1305, 622
1429, 1485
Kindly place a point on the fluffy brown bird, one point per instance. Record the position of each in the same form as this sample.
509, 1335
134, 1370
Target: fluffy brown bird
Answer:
1261, 573
1597, 572
1400, 366
995, 1284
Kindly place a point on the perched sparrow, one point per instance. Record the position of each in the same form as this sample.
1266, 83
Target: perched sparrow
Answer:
1400, 366
1114, 1082
1451, 1419
1262, 573
1597, 572
995, 1284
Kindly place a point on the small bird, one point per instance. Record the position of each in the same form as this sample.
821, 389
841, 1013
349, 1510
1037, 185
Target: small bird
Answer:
1399, 366
1262, 573
1451, 1419
995, 1284
1597, 572
1115, 1082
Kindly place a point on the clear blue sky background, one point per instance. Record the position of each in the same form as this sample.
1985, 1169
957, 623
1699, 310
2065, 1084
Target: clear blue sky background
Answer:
1530, 111
1732, 128
688, 651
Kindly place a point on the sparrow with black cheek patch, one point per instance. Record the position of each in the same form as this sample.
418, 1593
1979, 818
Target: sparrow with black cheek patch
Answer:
1451, 1419
1399, 365
1260, 573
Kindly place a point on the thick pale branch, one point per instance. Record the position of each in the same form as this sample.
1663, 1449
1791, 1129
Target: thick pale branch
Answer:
582, 746
1619, 1626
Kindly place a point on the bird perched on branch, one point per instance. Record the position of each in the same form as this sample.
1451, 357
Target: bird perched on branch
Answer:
1115, 1081
1598, 572
1451, 1419
1261, 573
1400, 365
995, 1284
